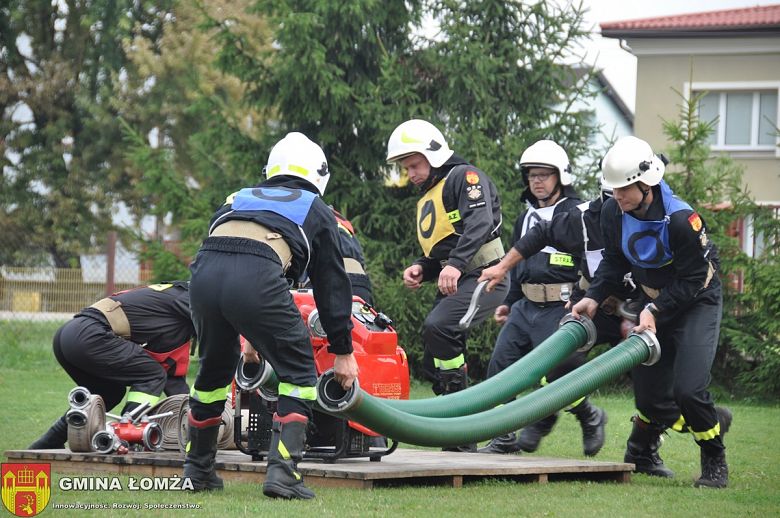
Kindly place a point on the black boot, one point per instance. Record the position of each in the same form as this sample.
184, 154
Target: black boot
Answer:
200, 460
531, 435
54, 438
506, 443
714, 470
642, 449
724, 418
592, 421
450, 381
282, 479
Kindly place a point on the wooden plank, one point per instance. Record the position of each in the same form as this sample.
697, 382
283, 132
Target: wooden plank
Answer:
403, 467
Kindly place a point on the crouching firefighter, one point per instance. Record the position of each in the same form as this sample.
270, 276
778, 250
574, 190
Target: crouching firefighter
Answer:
261, 237
138, 338
458, 228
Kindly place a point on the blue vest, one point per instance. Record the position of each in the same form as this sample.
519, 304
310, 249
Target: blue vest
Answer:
646, 243
293, 204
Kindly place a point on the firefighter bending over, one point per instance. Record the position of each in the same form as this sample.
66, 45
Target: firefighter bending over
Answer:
259, 239
139, 338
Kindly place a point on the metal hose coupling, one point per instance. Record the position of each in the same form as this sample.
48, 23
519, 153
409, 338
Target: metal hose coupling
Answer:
76, 417
250, 376
105, 442
332, 397
653, 346
589, 327
78, 397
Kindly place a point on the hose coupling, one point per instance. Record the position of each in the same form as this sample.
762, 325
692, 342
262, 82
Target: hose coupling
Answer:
332, 397
653, 346
76, 417
251, 376
589, 327
78, 397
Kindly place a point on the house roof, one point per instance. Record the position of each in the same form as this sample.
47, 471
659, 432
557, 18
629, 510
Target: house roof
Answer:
750, 21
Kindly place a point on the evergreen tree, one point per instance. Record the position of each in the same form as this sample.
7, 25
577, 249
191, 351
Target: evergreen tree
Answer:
346, 74
61, 171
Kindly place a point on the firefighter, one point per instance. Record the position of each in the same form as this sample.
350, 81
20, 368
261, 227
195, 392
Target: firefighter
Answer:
259, 240
354, 262
458, 227
540, 288
576, 232
138, 338
663, 242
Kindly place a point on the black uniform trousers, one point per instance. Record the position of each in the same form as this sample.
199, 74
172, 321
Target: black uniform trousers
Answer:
95, 358
441, 336
238, 287
528, 325
678, 382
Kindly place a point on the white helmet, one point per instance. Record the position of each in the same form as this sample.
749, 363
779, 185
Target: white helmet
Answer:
296, 155
631, 160
547, 153
418, 136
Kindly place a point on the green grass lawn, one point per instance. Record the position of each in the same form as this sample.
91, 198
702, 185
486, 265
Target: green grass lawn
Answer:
33, 390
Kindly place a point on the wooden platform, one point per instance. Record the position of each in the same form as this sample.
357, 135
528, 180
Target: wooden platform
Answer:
403, 467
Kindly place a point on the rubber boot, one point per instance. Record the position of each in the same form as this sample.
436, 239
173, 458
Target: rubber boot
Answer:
642, 449
282, 479
531, 435
506, 443
592, 421
54, 438
200, 460
451, 381
714, 470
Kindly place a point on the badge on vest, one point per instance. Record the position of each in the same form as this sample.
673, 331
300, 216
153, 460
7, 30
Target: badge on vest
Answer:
472, 178
559, 259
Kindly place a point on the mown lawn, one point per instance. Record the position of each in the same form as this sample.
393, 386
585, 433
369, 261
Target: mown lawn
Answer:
33, 390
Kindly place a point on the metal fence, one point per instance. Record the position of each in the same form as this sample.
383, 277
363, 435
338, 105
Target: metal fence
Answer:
45, 294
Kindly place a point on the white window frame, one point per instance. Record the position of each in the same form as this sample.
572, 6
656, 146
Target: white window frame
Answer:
726, 87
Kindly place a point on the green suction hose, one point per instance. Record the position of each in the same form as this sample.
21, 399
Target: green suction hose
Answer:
572, 334
374, 413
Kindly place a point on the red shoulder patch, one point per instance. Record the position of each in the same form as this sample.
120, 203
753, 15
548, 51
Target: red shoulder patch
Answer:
695, 222
472, 177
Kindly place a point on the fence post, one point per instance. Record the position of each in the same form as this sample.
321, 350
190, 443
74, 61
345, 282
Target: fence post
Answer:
110, 262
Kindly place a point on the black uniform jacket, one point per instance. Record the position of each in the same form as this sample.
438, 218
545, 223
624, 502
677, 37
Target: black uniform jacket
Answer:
315, 251
480, 216
159, 315
535, 268
680, 281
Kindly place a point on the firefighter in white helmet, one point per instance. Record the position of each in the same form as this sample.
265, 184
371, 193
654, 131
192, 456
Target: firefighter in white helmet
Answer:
541, 286
261, 237
458, 227
663, 242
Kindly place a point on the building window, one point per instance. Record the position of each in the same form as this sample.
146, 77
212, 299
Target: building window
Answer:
744, 119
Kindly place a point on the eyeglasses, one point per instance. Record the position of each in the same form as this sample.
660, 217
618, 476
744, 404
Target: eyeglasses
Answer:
539, 177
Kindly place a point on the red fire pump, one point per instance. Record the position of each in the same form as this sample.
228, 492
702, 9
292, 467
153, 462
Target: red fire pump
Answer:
384, 372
